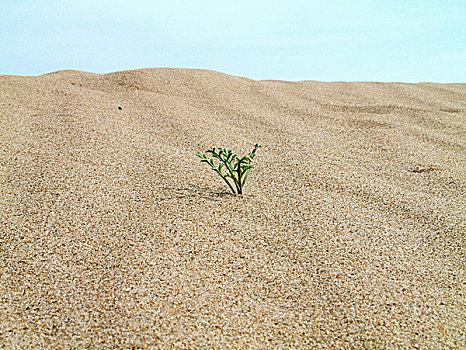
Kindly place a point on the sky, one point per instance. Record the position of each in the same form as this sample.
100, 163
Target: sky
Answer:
328, 40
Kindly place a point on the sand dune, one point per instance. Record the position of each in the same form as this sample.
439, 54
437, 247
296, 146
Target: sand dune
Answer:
351, 231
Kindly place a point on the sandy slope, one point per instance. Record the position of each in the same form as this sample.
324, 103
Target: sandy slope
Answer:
351, 231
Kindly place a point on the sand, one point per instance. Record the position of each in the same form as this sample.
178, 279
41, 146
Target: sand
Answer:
350, 234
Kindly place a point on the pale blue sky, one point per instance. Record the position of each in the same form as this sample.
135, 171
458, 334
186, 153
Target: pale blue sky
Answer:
378, 40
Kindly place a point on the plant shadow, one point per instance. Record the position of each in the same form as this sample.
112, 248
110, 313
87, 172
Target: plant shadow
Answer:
194, 191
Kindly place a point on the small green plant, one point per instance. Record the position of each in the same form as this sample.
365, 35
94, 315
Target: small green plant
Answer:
237, 169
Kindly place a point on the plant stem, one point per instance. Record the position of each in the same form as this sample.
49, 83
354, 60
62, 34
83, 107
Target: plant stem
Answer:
239, 186
229, 185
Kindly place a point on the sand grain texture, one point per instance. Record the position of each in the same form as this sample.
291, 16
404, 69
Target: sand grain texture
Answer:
351, 232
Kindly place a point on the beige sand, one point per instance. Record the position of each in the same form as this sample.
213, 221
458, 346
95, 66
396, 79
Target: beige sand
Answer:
351, 232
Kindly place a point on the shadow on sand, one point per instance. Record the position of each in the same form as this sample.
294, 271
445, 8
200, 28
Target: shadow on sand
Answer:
193, 191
